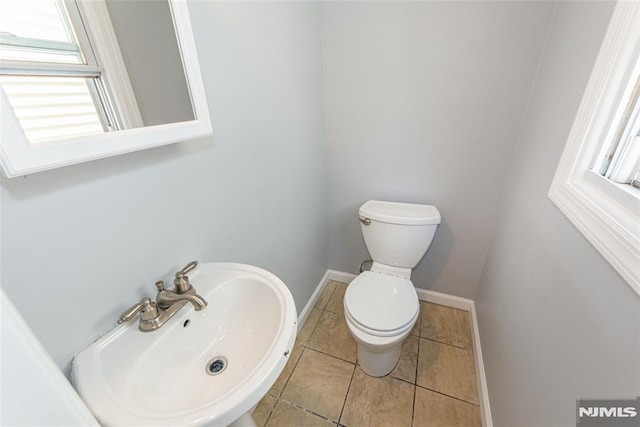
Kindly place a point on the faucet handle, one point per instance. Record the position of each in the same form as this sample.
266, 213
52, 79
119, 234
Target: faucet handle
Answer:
181, 282
147, 308
131, 312
186, 269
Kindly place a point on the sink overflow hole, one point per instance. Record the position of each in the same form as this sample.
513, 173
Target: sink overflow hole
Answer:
186, 323
216, 365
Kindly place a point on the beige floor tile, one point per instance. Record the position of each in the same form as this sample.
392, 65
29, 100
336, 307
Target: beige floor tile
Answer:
448, 370
336, 302
435, 410
309, 326
326, 294
416, 328
373, 402
446, 324
332, 336
287, 415
263, 410
406, 367
278, 386
319, 383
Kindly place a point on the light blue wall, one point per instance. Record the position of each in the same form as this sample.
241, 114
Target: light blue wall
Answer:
556, 321
424, 102
80, 244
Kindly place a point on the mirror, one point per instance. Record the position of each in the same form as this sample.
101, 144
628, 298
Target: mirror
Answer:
149, 47
145, 92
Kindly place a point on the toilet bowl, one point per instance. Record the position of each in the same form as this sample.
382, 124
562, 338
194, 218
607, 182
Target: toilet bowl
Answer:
380, 311
381, 305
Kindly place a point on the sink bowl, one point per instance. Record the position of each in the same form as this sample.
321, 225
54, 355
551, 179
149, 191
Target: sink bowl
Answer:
204, 367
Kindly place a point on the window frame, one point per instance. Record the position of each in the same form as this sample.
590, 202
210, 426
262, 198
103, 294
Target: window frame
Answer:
606, 213
96, 21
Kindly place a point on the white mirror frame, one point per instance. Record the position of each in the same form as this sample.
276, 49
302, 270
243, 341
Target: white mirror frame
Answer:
18, 157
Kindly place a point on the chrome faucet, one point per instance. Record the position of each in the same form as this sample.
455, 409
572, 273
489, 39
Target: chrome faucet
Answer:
155, 314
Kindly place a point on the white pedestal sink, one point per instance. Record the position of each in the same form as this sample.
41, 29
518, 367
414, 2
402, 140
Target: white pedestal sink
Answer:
129, 377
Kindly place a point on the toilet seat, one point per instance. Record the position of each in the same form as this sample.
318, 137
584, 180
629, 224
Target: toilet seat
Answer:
381, 305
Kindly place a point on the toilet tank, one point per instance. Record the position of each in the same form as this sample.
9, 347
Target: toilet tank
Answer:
398, 234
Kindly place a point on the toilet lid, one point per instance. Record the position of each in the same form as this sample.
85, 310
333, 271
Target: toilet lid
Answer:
381, 302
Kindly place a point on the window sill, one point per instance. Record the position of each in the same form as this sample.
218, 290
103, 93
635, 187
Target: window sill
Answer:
607, 215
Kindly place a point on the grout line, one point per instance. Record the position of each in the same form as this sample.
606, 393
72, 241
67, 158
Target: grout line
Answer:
344, 403
450, 345
413, 407
330, 295
313, 331
292, 371
266, 421
448, 395
322, 310
415, 386
396, 378
295, 405
335, 357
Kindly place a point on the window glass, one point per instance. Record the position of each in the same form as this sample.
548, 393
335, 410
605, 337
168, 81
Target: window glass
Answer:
53, 107
37, 30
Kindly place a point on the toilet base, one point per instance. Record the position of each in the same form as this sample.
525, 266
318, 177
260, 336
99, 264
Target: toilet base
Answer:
376, 363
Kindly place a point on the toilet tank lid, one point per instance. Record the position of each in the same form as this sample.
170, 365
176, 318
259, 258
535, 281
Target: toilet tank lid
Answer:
400, 213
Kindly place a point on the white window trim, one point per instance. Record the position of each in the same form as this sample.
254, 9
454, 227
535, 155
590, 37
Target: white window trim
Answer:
108, 54
608, 214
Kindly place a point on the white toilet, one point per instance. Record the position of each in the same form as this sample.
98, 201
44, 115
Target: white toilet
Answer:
381, 305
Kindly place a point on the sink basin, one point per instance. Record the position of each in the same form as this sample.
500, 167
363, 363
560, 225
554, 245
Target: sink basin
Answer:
167, 377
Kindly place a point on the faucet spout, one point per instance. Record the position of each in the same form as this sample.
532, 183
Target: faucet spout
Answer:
198, 302
167, 298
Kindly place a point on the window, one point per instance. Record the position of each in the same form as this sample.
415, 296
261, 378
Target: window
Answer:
55, 73
596, 183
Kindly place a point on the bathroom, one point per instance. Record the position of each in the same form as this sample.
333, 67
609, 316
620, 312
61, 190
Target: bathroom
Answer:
317, 107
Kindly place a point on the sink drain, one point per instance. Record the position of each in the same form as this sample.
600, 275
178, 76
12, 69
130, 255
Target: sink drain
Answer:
216, 365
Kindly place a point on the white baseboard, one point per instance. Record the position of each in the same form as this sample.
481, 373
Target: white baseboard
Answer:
483, 391
340, 276
304, 314
433, 297
444, 299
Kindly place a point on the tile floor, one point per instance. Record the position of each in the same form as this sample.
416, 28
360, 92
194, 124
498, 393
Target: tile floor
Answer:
434, 384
